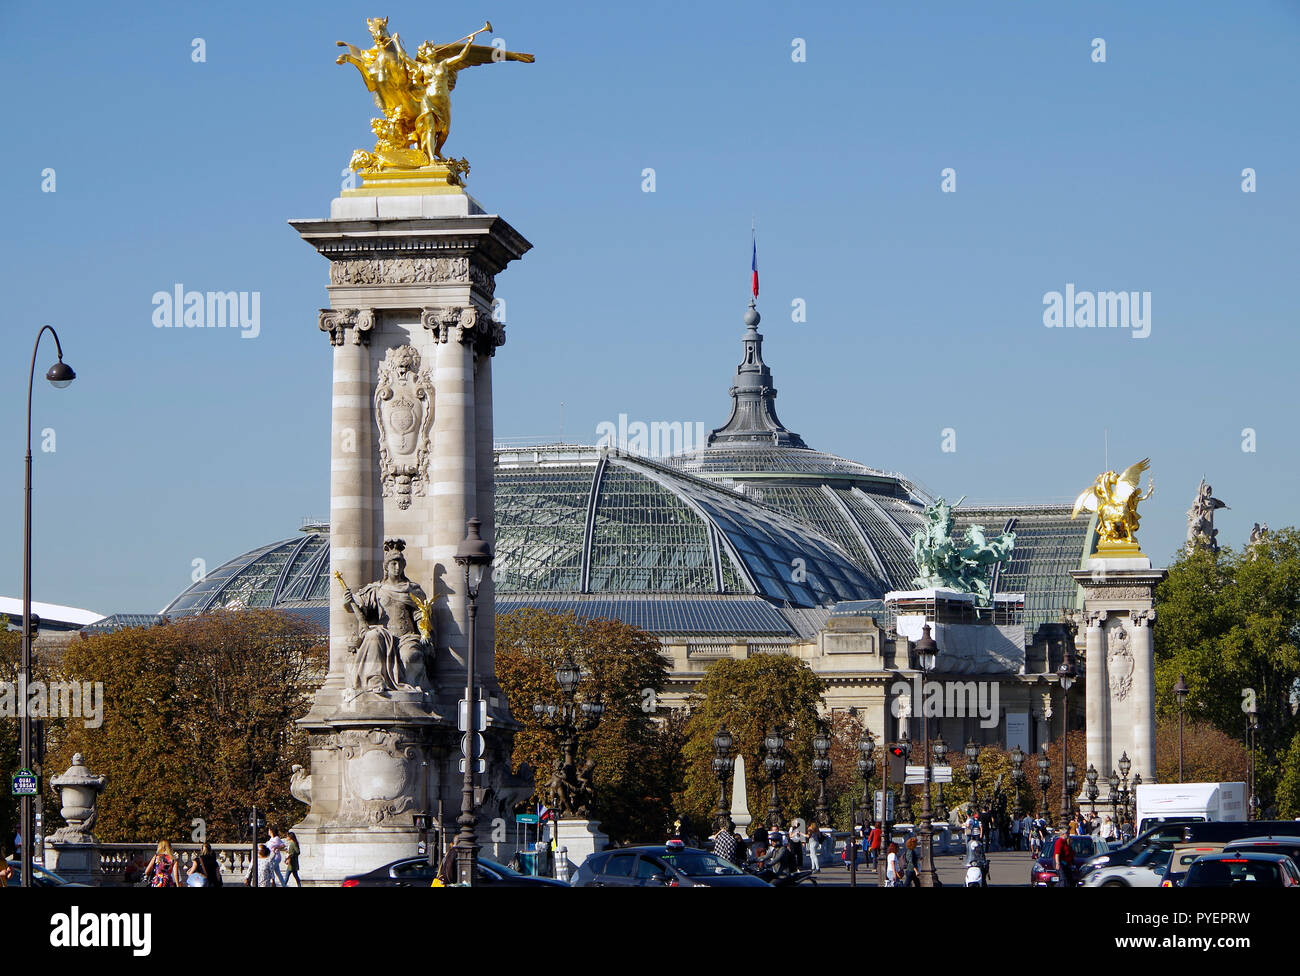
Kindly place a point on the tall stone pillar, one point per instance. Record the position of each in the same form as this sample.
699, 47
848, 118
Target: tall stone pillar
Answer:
1119, 600
411, 282
1098, 744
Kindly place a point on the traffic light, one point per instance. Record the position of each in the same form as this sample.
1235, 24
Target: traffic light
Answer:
900, 751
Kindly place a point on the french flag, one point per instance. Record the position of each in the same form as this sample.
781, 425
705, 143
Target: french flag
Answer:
754, 266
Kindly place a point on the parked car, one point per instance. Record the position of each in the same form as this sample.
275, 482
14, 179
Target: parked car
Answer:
1182, 857
1242, 869
415, 872
1267, 844
661, 866
44, 878
1144, 871
1043, 871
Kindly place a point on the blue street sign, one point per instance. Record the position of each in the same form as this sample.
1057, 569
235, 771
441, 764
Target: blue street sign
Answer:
25, 783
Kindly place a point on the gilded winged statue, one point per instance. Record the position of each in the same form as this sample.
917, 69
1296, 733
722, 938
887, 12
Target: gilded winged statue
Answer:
1114, 497
415, 95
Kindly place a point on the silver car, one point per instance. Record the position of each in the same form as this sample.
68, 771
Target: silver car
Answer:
1144, 871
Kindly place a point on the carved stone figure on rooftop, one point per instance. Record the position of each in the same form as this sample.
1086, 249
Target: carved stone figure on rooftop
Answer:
394, 630
963, 564
1200, 519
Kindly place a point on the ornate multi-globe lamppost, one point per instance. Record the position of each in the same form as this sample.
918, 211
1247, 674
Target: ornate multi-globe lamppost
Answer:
1091, 777
822, 768
1125, 765
927, 656
723, 765
1066, 673
973, 771
1018, 778
774, 764
904, 744
1044, 778
567, 721
474, 556
59, 375
867, 767
939, 750
1252, 727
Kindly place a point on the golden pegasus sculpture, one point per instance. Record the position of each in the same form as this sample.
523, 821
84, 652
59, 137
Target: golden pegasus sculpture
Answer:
415, 95
1114, 497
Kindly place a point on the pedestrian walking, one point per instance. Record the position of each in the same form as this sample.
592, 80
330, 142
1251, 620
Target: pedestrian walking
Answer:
263, 867
893, 872
1015, 834
815, 846
164, 870
6, 872
911, 864
1108, 831
797, 838
1063, 860
873, 843
275, 844
291, 854
724, 843
976, 858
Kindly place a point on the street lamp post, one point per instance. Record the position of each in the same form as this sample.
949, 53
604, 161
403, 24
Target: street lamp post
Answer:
866, 766
1018, 778
774, 763
474, 556
1180, 692
905, 743
723, 764
939, 750
1125, 765
822, 767
1252, 728
1066, 673
927, 655
59, 375
973, 773
1091, 777
1044, 779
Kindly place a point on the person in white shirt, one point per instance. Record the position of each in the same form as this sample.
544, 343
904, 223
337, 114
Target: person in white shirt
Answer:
892, 874
265, 875
275, 844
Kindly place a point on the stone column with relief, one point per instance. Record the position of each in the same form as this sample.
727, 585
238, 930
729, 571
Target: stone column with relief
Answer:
411, 328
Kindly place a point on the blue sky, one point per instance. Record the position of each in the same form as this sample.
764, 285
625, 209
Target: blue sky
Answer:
924, 308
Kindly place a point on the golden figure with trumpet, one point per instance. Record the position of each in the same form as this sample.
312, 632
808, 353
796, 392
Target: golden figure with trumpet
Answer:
1114, 497
394, 629
415, 96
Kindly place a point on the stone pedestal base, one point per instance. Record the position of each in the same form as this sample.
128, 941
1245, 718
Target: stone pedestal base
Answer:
78, 863
582, 838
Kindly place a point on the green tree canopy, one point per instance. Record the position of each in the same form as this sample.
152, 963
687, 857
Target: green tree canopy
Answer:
636, 747
198, 722
1229, 622
751, 697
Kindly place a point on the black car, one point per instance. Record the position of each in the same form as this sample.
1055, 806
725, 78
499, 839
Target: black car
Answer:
415, 872
1242, 869
661, 866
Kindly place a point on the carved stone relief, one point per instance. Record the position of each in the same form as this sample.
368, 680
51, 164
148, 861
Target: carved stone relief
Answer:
404, 412
1119, 659
379, 775
399, 271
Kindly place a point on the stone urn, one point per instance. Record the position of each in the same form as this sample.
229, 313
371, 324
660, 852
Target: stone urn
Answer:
80, 794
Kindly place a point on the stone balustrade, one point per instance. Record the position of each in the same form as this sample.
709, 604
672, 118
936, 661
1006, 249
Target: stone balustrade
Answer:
117, 860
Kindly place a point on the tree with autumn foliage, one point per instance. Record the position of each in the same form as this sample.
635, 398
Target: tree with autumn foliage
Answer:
636, 747
198, 722
750, 697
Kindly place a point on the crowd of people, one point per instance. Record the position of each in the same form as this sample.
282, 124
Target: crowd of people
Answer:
275, 866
